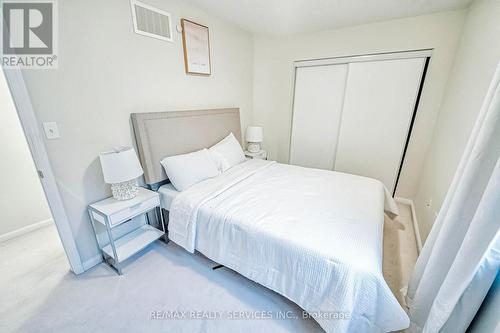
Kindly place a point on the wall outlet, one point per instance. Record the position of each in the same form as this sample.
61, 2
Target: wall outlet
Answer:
51, 130
428, 204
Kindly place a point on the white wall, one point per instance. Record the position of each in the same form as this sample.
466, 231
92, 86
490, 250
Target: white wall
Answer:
273, 74
22, 201
106, 72
476, 60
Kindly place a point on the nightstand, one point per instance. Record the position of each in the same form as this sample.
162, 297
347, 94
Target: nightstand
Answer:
262, 154
112, 213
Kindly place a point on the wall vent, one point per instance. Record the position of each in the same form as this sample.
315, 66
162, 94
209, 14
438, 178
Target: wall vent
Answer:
150, 21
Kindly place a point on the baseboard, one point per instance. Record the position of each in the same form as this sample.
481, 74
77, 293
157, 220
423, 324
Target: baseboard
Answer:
25, 230
403, 201
95, 260
416, 229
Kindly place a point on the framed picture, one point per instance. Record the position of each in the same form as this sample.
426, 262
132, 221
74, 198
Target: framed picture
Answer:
196, 43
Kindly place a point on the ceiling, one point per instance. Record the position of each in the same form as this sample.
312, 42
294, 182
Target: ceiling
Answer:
281, 17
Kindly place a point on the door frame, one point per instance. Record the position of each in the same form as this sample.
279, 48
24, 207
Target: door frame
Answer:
29, 123
425, 53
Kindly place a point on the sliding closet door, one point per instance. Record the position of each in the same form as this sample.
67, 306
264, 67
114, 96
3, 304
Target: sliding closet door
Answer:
317, 107
378, 107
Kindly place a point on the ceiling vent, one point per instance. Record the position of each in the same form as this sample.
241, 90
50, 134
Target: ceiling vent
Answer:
150, 21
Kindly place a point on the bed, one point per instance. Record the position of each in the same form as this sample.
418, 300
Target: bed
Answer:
314, 236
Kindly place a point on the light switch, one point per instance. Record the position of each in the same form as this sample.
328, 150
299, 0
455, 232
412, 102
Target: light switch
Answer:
51, 130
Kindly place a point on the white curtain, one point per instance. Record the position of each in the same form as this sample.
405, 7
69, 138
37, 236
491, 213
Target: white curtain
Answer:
461, 256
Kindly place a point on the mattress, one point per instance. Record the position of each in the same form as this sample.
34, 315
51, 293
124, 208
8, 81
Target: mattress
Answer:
314, 236
167, 194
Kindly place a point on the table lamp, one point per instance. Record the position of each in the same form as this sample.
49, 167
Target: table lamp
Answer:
121, 168
254, 137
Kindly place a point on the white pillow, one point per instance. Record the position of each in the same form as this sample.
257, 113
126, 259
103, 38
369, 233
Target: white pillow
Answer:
188, 169
227, 153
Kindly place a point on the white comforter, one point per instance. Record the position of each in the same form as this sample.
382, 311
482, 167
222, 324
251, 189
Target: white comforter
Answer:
314, 236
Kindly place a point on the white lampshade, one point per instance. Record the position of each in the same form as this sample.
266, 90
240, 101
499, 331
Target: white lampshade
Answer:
120, 165
254, 134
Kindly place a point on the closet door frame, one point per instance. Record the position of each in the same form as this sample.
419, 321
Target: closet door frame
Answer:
423, 53
426, 53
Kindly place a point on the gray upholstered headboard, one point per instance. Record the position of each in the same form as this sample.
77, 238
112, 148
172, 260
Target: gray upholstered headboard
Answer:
162, 134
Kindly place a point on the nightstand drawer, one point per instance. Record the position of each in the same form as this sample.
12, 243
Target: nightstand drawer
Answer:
262, 154
134, 210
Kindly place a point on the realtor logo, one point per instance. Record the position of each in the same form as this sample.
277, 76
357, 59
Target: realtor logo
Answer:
28, 34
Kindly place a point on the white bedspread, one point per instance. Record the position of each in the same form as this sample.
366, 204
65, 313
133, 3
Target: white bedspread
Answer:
314, 236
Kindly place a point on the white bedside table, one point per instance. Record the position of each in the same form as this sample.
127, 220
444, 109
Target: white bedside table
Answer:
262, 154
112, 213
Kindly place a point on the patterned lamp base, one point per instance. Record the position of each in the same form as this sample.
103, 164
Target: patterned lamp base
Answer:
125, 190
253, 147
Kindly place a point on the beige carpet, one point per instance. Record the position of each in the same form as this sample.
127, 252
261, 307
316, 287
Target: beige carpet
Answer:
400, 251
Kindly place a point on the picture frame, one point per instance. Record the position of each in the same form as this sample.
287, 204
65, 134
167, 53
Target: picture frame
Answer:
196, 45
